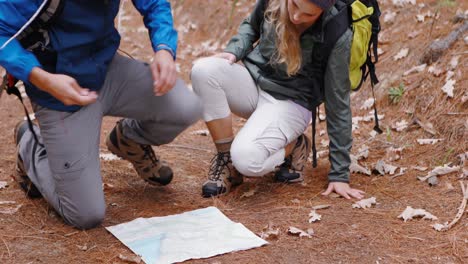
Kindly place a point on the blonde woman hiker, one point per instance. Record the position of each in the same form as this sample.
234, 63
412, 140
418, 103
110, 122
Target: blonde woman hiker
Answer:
276, 89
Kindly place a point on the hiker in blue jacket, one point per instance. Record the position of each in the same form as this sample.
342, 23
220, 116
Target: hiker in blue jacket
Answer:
75, 78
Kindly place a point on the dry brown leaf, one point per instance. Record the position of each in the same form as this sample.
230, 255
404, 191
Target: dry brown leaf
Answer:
301, 233
419, 168
367, 104
389, 17
419, 68
249, 193
355, 167
269, 232
428, 141
131, 259
401, 54
10, 211
434, 70
313, 216
203, 132
439, 170
454, 62
440, 227
383, 168
7, 202
448, 87
108, 157
365, 203
321, 206
401, 125
410, 213
402, 3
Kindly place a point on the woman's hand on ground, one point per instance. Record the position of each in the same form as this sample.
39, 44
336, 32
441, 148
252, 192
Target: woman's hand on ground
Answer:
227, 56
343, 189
64, 88
164, 72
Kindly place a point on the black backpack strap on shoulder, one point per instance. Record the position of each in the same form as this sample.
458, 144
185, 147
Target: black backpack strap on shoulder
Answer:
335, 28
47, 15
34, 33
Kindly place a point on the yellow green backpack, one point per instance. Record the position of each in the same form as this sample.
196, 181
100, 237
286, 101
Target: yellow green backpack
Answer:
365, 24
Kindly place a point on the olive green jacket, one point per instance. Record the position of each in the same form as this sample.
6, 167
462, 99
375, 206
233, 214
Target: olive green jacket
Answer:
255, 44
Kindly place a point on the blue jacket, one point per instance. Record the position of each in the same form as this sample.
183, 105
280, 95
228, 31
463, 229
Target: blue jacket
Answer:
84, 39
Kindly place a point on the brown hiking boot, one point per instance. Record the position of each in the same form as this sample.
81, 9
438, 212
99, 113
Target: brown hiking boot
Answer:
291, 170
21, 177
222, 176
142, 157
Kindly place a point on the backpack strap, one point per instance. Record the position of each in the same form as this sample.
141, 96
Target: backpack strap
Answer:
36, 31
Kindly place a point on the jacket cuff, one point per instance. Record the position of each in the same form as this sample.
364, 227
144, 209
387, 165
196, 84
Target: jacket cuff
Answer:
167, 48
338, 180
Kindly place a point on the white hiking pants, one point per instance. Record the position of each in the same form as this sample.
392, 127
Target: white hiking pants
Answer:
272, 124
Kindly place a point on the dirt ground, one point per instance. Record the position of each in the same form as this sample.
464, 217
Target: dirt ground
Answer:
35, 234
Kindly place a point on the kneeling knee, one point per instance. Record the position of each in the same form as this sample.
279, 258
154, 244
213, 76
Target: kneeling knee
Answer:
247, 160
88, 219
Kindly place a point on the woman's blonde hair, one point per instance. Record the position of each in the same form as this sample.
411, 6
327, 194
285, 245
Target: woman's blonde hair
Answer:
287, 37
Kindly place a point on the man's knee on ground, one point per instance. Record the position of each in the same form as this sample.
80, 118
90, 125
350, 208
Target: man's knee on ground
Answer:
248, 159
87, 218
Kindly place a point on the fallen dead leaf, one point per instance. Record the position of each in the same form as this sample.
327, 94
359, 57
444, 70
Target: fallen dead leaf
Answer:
365, 203
439, 170
10, 211
363, 152
440, 227
367, 104
428, 141
402, 3
7, 202
401, 125
269, 232
131, 259
401, 54
419, 68
454, 62
383, 168
389, 17
203, 132
108, 157
321, 206
448, 87
410, 213
434, 70
355, 167
314, 216
301, 233
419, 168
249, 193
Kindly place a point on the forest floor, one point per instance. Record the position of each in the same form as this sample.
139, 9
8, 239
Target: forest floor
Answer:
36, 234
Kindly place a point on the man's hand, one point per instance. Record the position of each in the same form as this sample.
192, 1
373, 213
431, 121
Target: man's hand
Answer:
64, 88
344, 190
164, 72
227, 56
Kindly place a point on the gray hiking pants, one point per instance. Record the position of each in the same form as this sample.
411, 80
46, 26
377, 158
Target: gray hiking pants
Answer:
67, 171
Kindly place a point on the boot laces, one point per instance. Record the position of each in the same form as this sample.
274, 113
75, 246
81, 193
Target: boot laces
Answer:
218, 163
149, 154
